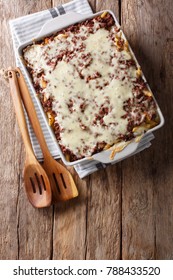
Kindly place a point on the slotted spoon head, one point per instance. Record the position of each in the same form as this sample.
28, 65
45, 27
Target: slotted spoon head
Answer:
62, 183
37, 185
36, 181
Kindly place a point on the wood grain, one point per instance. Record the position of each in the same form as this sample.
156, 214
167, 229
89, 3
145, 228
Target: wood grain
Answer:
147, 181
124, 211
25, 232
109, 5
69, 230
10, 155
104, 202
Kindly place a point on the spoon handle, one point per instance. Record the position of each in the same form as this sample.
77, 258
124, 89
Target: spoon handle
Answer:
30, 109
15, 94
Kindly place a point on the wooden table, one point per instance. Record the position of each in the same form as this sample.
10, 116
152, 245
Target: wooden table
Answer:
123, 212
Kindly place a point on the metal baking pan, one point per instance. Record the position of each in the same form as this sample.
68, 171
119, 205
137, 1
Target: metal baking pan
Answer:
52, 27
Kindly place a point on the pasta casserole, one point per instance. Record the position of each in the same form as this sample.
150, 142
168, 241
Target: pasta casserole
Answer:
91, 88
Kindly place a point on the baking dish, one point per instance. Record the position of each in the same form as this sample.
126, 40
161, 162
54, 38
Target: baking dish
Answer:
48, 29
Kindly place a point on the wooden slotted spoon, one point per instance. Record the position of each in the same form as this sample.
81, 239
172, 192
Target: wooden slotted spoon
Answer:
62, 183
37, 184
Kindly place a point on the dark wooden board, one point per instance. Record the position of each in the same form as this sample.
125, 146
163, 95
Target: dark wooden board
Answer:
148, 178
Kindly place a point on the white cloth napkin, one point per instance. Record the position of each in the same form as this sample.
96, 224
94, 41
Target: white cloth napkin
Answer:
26, 28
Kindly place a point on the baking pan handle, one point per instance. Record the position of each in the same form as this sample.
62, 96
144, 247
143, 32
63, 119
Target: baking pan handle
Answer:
70, 18
131, 149
104, 157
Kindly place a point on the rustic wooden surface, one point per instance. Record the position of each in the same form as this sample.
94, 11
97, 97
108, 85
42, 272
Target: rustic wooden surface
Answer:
123, 212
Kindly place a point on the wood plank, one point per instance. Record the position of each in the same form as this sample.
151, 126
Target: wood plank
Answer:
25, 232
104, 201
112, 5
147, 223
35, 226
55, 3
163, 160
69, 234
9, 179
103, 238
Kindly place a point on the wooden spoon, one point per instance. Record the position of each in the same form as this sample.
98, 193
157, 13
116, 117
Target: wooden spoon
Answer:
36, 181
62, 183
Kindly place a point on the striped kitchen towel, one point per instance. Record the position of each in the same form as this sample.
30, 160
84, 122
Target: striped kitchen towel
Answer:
26, 28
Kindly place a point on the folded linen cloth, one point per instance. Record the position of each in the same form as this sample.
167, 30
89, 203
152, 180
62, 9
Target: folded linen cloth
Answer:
24, 29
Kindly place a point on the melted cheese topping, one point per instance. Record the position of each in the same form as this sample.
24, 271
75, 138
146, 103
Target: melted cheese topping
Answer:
90, 78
